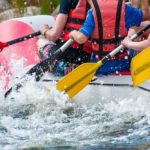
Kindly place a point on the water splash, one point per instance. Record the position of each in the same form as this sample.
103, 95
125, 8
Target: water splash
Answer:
38, 118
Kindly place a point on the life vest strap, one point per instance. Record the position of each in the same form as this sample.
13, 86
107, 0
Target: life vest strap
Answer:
76, 21
109, 41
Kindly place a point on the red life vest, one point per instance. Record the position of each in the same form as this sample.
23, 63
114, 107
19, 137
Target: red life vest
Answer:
75, 20
109, 25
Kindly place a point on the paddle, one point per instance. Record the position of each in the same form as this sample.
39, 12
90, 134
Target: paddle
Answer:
23, 38
75, 81
39, 69
140, 67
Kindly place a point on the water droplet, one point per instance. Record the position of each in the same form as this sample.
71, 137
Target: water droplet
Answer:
121, 50
95, 42
126, 57
117, 72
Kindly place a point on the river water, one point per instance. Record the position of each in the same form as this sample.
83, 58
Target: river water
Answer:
38, 119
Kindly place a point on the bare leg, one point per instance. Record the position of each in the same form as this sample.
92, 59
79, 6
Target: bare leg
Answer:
144, 6
135, 3
146, 9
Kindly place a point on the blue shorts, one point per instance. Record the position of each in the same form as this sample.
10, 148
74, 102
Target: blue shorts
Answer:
115, 66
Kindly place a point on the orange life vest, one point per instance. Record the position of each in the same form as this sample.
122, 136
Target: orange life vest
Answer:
109, 23
75, 21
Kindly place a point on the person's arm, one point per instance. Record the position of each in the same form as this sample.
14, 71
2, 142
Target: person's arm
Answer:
54, 33
78, 36
137, 45
85, 31
133, 29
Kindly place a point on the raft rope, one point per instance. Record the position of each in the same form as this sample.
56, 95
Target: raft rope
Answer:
105, 84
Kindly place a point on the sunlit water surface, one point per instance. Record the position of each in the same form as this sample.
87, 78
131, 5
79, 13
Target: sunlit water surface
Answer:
38, 119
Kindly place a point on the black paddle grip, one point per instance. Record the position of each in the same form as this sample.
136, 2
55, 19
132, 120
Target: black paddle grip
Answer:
29, 36
143, 30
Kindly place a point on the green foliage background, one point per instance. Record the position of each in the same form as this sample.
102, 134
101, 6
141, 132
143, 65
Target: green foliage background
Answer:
46, 6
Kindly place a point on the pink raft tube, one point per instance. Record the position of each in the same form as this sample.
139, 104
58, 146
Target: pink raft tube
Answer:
26, 50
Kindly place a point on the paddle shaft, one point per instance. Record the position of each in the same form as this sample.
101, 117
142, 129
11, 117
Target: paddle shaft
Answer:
133, 37
23, 38
61, 49
40, 68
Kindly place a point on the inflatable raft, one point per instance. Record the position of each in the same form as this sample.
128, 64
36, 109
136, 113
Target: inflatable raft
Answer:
100, 88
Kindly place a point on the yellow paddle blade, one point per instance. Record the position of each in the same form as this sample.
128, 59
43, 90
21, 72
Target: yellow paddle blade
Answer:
76, 80
140, 67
